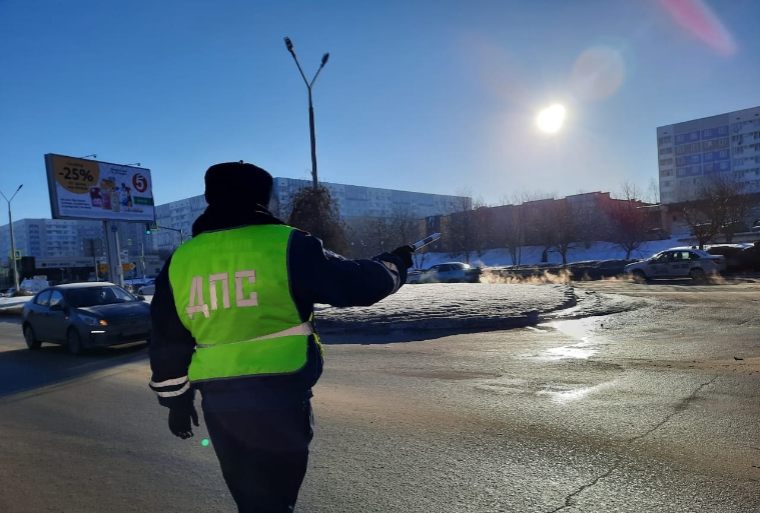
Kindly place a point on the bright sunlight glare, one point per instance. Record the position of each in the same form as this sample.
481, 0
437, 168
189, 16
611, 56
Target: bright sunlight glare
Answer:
550, 119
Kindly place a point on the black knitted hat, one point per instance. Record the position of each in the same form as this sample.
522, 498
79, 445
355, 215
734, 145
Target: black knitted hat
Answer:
237, 182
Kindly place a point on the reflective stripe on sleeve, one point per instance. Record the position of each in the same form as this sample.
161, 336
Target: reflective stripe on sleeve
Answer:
174, 393
168, 382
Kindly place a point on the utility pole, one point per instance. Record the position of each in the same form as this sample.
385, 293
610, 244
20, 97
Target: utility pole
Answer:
313, 139
10, 229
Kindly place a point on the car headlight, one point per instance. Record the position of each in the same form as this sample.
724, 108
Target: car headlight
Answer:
93, 321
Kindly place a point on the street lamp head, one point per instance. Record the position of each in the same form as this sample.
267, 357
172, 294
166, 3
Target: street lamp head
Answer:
289, 44
325, 58
19, 188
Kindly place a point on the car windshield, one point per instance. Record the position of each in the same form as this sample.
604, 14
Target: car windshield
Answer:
93, 296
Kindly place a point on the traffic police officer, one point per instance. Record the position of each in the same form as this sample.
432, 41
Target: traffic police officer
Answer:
232, 318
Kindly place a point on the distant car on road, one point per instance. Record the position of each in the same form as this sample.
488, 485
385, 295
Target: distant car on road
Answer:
596, 269
147, 290
134, 285
677, 263
82, 315
448, 272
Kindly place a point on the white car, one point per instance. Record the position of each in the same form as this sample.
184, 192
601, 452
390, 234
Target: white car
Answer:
449, 272
677, 263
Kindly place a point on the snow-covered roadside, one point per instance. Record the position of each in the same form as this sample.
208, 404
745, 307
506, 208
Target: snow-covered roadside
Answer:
465, 307
532, 254
13, 305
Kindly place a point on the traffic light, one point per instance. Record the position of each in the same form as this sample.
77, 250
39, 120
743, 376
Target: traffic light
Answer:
150, 228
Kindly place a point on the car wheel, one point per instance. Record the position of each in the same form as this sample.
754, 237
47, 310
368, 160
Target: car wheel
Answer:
639, 276
73, 341
697, 275
31, 339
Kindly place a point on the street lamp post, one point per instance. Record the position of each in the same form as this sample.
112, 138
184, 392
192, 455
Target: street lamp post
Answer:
309, 84
10, 228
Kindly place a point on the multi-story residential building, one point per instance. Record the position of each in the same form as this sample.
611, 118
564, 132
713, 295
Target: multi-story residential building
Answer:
358, 201
353, 202
57, 238
693, 152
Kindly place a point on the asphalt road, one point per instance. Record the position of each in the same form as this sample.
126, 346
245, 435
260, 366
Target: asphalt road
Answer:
650, 410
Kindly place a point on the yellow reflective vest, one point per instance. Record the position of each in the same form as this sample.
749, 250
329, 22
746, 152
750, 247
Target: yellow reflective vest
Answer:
231, 290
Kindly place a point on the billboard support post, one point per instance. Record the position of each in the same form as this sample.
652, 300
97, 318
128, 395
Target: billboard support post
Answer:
115, 271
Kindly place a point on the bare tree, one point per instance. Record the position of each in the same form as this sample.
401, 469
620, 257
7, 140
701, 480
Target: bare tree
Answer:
482, 228
314, 210
720, 208
733, 205
553, 225
653, 192
566, 227
514, 236
460, 231
372, 235
630, 222
404, 226
527, 224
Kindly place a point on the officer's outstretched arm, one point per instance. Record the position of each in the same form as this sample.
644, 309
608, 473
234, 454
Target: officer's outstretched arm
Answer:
320, 276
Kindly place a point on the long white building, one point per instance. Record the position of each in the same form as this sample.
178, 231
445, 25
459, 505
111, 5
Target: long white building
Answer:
353, 201
63, 238
691, 153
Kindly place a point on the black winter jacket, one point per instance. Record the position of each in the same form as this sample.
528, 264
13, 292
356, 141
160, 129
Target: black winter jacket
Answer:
316, 276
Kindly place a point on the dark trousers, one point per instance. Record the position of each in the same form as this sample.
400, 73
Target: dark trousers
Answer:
263, 455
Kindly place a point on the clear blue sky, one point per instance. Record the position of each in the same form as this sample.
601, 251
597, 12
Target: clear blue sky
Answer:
435, 96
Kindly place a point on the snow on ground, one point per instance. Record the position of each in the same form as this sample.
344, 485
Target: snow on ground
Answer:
465, 307
13, 303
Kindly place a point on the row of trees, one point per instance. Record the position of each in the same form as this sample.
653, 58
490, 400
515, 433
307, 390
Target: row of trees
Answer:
314, 210
720, 209
555, 224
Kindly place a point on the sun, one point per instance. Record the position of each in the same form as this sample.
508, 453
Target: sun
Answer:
551, 119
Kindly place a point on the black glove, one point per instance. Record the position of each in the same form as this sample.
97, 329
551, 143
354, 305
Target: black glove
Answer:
179, 421
405, 254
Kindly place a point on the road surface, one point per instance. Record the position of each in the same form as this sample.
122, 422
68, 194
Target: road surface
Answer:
652, 408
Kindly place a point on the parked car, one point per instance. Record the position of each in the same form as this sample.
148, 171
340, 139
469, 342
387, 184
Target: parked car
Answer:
413, 276
82, 315
677, 263
596, 269
449, 272
134, 284
35, 284
733, 254
147, 290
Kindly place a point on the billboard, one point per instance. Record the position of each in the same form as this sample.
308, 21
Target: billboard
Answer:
89, 189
